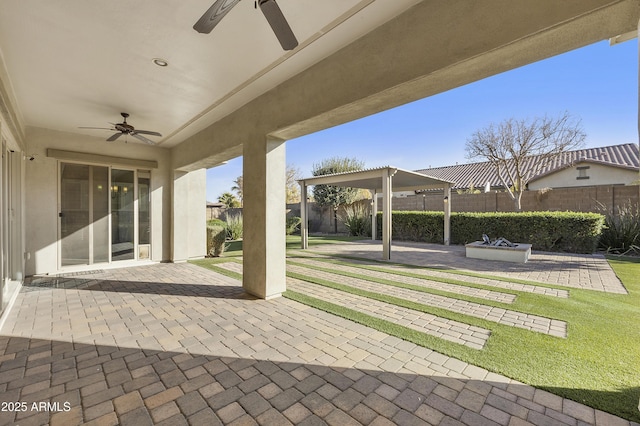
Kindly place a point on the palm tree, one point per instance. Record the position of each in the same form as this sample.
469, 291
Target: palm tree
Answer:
229, 200
238, 187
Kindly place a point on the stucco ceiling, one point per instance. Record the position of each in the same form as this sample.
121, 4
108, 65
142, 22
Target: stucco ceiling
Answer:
78, 63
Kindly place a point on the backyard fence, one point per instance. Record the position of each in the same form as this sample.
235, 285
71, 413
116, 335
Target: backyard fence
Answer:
593, 199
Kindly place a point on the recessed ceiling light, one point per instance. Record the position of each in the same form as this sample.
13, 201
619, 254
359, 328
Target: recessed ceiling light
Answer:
160, 62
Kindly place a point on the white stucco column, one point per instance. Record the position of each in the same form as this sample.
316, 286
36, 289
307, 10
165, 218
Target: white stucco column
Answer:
386, 213
304, 219
447, 215
374, 214
264, 211
188, 217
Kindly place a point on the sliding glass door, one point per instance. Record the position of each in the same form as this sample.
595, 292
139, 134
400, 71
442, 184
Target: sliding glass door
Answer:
99, 214
122, 214
84, 226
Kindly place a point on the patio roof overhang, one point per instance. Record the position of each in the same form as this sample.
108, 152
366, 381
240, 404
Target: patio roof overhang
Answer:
381, 179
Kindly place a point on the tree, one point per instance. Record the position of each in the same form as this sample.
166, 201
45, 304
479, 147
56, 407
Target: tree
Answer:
237, 187
229, 200
335, 196
293, 189
520, 149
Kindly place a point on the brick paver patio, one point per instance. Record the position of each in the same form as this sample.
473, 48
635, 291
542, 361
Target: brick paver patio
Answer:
177, 344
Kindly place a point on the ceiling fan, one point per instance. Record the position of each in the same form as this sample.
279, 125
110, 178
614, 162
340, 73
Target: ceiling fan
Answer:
126, 129
269, 8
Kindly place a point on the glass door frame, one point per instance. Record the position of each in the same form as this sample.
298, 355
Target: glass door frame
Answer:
109, 216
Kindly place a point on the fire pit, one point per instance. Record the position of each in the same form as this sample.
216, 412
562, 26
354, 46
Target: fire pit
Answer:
499, 249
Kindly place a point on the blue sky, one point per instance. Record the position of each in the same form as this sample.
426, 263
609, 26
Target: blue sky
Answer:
598, 84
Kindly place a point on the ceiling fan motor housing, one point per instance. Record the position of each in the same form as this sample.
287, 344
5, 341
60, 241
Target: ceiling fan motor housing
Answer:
124, 127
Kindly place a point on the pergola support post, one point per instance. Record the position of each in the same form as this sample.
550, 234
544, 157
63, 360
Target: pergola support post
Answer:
447, 214
386, 213
374, 214
304, 219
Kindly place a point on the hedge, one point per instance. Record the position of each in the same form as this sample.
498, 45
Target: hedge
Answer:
548, 231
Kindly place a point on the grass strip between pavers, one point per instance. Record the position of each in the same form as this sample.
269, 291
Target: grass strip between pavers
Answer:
396, 301
324, 257
421, 289
525, 302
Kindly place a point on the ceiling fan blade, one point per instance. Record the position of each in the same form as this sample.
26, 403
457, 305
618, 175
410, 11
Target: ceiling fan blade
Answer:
146, 132
143, 139
214, 15
278, 23
114, 137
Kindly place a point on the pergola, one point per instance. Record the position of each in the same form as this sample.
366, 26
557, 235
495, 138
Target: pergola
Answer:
382, 179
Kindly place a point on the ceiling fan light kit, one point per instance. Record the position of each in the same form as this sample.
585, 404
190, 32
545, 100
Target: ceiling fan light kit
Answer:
270, 10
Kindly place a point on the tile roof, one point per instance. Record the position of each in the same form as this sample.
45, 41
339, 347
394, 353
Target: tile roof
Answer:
624, 156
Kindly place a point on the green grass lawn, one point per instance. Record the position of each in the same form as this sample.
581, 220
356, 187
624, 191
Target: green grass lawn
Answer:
234, 248
598, 364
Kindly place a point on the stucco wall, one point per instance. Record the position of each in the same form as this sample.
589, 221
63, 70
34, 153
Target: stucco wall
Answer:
597, 174
41, 192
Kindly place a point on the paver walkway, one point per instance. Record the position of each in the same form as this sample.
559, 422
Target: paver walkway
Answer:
585, 271
453, 331
422, 282
509, 285
176, 344
490, 313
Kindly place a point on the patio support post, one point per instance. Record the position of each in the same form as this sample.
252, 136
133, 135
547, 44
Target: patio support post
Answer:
386, 213
304, 220
264, 213
447, 214
188, 219
374, 215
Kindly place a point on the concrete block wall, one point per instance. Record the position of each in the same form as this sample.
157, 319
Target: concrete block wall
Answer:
585, 199
597, 199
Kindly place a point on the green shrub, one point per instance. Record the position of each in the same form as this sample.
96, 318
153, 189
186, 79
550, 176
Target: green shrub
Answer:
216, 222
621, 232
548, 231
357, 220
426, 227
234, 226
216, 237
292, 225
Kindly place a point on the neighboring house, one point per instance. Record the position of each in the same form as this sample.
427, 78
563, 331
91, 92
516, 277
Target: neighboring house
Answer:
609, 165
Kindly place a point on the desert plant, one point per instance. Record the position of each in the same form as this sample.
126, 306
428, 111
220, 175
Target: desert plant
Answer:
234, 226
622, 231
216, 237
293, 224
357, 220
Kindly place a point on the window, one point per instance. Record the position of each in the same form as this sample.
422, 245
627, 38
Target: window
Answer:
582, 172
